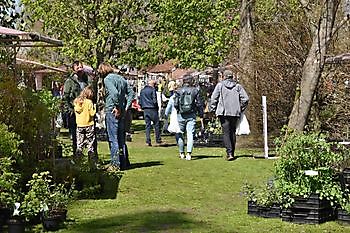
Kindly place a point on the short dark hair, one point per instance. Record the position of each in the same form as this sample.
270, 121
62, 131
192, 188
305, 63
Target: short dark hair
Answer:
187, 78
76, 63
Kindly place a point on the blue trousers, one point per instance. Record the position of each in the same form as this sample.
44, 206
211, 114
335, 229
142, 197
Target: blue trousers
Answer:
151, 115
116, 136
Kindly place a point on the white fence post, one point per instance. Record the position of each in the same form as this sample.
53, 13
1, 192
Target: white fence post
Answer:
264, 108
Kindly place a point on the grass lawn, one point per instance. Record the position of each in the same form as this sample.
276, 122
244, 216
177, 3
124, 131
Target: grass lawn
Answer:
162, 193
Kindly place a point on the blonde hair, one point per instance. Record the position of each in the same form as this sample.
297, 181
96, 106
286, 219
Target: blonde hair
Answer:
105, 68
86, 93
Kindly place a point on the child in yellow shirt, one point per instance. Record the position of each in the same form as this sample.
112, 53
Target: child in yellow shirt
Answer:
84, 112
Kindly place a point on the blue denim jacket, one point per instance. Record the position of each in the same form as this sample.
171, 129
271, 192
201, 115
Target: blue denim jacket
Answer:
118, 93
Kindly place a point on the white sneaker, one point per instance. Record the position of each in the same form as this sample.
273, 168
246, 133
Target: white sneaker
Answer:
182, 155
188, 157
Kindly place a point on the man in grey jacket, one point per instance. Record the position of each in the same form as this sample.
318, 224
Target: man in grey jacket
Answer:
229, 100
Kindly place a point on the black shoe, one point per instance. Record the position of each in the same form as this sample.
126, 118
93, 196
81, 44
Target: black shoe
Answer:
148, 144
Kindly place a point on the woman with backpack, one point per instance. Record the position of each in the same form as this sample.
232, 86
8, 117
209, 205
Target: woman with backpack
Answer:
188, 102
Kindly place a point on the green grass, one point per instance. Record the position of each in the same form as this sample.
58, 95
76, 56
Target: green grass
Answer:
163, 193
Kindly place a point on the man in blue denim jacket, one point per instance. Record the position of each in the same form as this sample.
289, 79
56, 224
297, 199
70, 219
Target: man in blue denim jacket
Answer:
118, 98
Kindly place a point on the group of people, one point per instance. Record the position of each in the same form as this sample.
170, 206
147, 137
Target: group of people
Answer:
228, 101
79, 100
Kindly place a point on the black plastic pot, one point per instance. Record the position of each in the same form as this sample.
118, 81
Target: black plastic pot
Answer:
15, 225
59, 213
343, 216
5, 214
52, 223
273, 211
311, 210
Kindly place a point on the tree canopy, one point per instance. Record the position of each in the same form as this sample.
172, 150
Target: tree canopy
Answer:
197, 33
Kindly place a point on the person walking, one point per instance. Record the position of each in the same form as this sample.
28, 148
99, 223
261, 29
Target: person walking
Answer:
149, 105
73, 85
118, 98
85, 111
188, 102
229, 100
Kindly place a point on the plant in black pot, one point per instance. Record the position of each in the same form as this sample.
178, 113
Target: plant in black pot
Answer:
343, 213
306, 176
9, 144
56, 206
263, 201
35, 198
8, 189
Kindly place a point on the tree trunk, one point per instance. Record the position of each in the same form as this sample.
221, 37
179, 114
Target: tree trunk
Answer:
313, 65
247, 77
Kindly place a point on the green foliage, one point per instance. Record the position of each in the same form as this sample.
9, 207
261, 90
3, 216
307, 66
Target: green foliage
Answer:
214, 126
51, 102
44, 195
197, 33
10, 16
39, 192
9, 142
302, 152
8, 182
265, 196
92, 30
27, 116
60, 196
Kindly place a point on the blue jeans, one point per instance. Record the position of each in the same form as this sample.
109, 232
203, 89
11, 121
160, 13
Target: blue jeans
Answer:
116, 136
186, 125
151, 115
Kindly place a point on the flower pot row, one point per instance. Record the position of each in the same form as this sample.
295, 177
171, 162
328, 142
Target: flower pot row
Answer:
311, 210
51, 221
273, 211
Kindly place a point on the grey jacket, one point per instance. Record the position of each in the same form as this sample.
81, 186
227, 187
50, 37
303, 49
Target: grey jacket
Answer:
228, 99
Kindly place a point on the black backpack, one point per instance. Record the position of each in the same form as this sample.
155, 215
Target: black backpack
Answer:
184, 102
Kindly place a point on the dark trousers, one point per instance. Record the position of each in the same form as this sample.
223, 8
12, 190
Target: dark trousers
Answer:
229, 124
151, 115
72, 127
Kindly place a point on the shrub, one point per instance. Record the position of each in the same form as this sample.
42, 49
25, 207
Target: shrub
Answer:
8, 183
307, 165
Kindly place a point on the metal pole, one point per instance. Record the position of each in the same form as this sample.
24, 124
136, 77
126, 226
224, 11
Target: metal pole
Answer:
264, 108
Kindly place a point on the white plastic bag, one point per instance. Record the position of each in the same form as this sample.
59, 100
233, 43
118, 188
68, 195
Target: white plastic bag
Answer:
174, 124
242, 126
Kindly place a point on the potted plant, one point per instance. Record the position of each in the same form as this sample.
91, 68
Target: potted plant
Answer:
343, 213
306, 176
8, 186
35, 198
60, 197
264, 201
9, 144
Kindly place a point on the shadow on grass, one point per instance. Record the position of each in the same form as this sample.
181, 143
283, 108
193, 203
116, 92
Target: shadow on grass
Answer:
165, 144
195, 157
149, 221
145, 164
